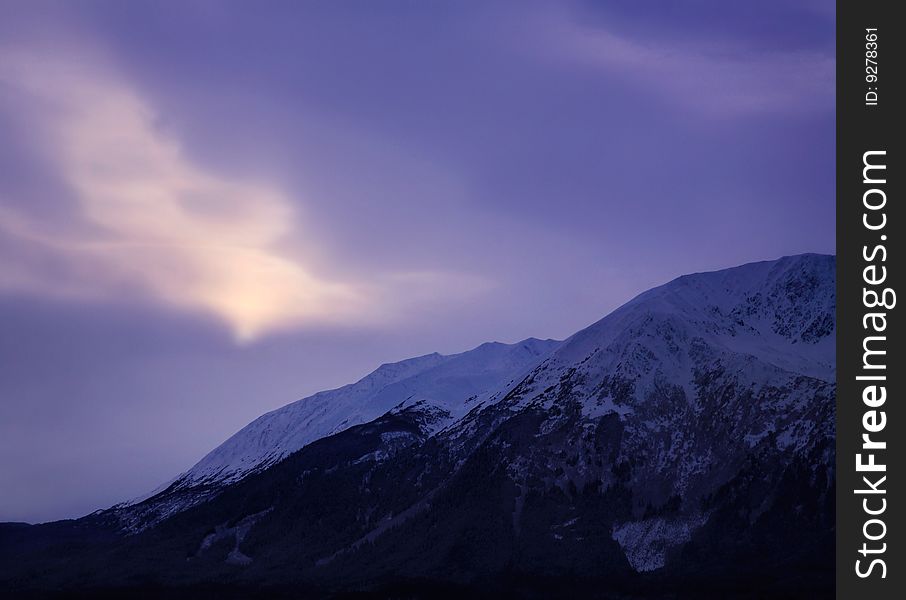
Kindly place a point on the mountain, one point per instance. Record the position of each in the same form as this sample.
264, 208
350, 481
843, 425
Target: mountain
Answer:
684, 444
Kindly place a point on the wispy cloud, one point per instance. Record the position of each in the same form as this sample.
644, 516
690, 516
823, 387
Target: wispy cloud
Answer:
153, 219
714, 77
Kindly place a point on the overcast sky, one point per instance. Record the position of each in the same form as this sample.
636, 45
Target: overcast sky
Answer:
211, 209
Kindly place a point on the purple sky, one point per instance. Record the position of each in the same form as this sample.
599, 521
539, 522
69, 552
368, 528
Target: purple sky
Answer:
210, 209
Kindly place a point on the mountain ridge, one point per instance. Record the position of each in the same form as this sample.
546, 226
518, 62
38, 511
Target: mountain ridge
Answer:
357, 403
689, 431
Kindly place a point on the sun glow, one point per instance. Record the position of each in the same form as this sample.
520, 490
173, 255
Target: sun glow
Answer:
153, 218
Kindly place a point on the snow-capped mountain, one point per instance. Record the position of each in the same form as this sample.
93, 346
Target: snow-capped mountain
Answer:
690, 432
446, 385
695, 377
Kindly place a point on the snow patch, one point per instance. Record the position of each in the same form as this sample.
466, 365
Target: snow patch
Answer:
646, 543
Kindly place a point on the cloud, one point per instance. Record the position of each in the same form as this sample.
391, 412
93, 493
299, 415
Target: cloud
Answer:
712, 77
150, 218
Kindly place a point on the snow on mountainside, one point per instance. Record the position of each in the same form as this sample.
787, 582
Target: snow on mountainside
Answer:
451, 383
779, 311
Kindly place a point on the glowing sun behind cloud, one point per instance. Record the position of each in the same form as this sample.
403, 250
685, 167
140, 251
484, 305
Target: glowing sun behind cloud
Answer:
152, 218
